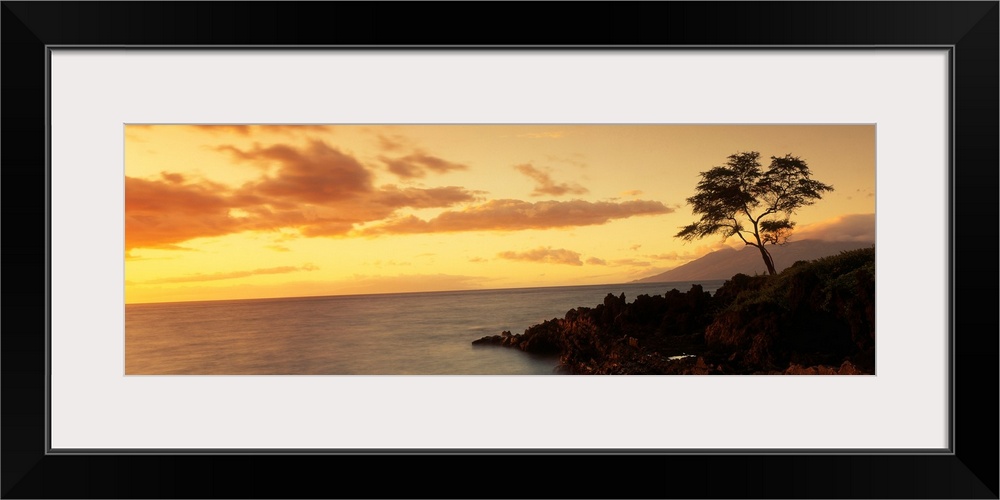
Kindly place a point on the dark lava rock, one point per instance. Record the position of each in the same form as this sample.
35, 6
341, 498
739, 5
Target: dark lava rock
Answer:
814, 317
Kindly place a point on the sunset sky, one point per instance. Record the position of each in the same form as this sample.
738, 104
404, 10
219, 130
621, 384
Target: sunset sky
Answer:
245, 211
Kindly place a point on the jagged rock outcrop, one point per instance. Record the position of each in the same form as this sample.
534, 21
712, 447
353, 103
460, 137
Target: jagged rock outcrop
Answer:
814, 318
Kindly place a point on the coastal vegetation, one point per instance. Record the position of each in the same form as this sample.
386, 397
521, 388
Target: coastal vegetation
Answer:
740, 199
816, 317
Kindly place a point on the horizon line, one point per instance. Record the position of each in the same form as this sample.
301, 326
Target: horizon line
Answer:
634, 282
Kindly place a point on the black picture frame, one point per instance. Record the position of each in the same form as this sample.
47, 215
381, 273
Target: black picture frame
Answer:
969, 28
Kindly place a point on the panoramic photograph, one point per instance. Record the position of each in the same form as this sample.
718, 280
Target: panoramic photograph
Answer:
472, 249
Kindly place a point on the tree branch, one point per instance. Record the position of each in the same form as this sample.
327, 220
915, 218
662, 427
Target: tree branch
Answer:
737, 231
769, 211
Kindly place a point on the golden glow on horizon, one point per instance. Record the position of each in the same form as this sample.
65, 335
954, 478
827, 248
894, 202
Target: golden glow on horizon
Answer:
232, 212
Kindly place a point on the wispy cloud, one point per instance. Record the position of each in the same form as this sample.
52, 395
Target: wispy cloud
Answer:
419, 164
230, 275
392, 142
394, 197
172, 178
246, 130
853, 227
546, 255
516, 215
545, 185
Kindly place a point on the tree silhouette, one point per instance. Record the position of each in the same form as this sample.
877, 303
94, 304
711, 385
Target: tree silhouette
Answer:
738, 199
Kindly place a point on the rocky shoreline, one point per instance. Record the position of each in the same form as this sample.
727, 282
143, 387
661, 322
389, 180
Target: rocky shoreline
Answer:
814, 318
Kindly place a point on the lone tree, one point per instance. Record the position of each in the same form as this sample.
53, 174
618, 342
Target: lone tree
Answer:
738, 199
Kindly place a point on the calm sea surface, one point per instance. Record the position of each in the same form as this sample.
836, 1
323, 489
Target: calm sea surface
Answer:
391, 334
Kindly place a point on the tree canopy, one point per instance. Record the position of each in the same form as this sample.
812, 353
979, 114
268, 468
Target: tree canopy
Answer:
740, 199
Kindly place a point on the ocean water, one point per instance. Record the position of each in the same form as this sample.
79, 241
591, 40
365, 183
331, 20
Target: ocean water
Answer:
388, 334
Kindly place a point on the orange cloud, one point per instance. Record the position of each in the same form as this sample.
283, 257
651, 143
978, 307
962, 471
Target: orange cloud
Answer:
546, 255
391, 196
174, 178
317, 189
515, 215
418, 164
391, 143
547, 186
317, 174
159, 213
853, 227
246, 130
230, 275
596, 261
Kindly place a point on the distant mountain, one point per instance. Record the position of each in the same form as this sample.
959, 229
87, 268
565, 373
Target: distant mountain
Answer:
723, 264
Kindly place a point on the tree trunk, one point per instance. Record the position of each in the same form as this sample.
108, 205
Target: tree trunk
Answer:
767, 259
760, 246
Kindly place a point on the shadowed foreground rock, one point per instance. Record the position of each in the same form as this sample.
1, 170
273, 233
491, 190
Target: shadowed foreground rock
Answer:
815, 318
